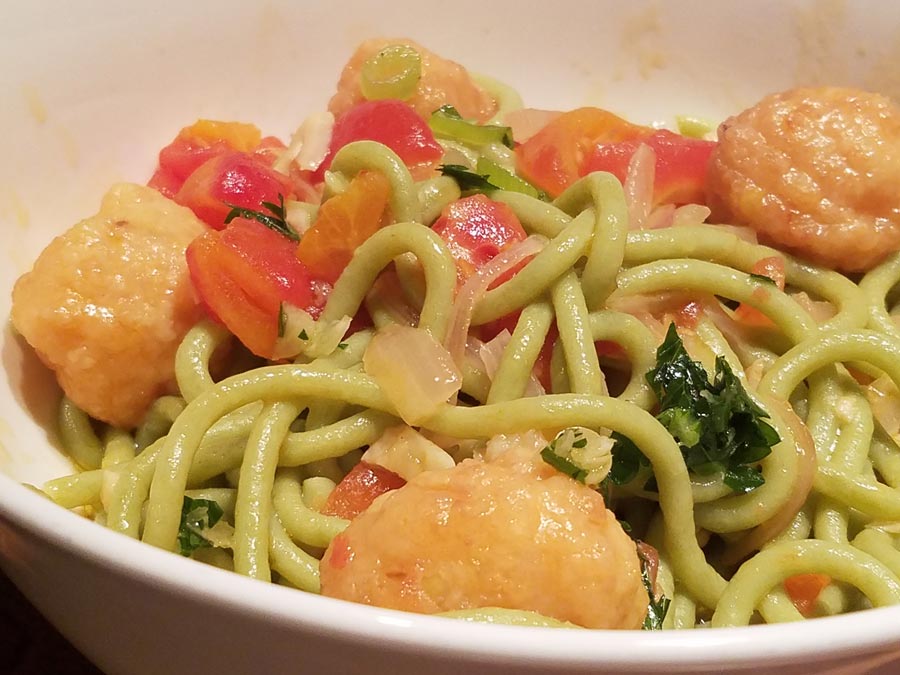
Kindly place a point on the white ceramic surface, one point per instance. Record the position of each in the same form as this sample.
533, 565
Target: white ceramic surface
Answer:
92, 89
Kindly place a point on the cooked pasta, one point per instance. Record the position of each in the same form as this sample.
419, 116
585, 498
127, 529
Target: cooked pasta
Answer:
588, 297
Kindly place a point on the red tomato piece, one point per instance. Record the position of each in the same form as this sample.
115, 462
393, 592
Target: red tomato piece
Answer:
804, 590
773, 268
196, 145
243, 274
554, 157
681, 165
344, 222
359, 488
231, 178
391, 123
476, 229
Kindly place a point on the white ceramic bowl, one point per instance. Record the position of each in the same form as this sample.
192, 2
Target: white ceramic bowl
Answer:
92, 89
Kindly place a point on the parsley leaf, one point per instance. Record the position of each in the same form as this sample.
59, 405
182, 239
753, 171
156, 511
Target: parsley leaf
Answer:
656, 607
276, 221
716, 424
197, 516
467, 179
763, 278
488, 177
562, 464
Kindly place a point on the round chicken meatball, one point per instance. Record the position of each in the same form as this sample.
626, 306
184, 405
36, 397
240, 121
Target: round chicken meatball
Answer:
814, 171
442, 82
491, 534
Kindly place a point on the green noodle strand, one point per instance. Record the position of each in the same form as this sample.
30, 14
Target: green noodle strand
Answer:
603, 193
582, 364
253, 508
531, 282
78, 436
774, 564
302, 523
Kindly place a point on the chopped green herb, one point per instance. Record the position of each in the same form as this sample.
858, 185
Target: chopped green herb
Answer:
303, 335
275, 221
580, 453
488, 178
446, 122
506, 180
342, 345
562, 464
763, 278
282, 320
197, 516
656, 607
468, 180
716, 424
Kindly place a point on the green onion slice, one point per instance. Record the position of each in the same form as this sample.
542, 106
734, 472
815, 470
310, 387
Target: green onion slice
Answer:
446, 122
394, 72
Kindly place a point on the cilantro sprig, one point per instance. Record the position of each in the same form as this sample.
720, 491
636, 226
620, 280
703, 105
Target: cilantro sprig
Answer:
487, 178
197, 516
274, 220
717, 425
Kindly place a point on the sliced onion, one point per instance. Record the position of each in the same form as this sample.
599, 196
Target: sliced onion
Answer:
490, 353
475, 287
301, 334
309, 144
638, 186
691, 214
884, 398
820, 310
407, 453
414, 371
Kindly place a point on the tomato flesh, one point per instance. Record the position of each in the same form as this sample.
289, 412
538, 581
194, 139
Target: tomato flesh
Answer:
243, 273
681, 165
554, 157
232, 178
391, 123
343, 223
359, 488
476, 229
804, 590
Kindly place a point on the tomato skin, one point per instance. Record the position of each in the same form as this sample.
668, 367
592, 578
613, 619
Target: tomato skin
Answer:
554, 157
476, 229
681, 165
343, 223
231, 178
804, 590
359, 488
197, 144
389, 122
243, 274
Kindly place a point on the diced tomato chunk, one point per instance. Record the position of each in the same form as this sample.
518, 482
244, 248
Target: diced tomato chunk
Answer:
197, 144
391, 123
243, 274
681, 164
359, 488
476, 229
232, 178
343, 223
554, 157
804, 590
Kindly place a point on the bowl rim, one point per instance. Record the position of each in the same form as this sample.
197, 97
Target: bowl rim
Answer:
870, 631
